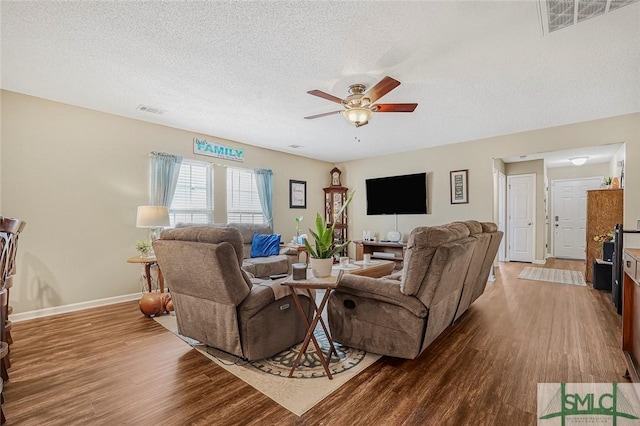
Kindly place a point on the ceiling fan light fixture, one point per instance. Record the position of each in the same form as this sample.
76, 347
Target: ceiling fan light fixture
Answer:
358, 116
578, 161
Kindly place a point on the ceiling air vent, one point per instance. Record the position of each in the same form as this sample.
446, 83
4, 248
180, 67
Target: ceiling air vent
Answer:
558, 14
151, 110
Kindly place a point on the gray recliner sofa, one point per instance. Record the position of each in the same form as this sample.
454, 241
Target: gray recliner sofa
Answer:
261, 267
402, 314
217, 303
481, 262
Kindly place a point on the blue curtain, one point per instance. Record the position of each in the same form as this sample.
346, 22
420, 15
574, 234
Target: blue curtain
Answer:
264, 182
165, 169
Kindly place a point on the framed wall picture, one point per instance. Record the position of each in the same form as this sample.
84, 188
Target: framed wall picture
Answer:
459, 186
297, 194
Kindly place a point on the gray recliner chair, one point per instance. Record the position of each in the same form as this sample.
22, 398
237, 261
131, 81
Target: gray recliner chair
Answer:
217, 303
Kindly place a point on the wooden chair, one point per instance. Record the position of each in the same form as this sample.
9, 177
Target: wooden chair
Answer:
4, 353
8, 282
9, 230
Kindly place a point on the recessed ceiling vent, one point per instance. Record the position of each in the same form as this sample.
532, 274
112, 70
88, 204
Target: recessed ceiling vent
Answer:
558, 14
151, 110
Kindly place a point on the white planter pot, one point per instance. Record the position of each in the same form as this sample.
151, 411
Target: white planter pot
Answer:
321, 267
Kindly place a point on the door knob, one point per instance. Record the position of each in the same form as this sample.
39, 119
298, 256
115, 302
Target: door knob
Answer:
529, 223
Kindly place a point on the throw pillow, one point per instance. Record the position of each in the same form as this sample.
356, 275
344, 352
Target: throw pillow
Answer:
264, 245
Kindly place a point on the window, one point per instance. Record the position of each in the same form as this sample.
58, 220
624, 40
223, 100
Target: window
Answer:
243, 204
192, 202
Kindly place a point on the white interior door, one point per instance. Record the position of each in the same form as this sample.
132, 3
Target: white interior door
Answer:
570, 216
502, 214
521, 190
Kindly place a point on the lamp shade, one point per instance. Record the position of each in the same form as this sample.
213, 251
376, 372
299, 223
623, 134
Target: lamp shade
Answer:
152, 217
357, 116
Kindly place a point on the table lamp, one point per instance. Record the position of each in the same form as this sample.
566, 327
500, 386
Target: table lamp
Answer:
152, 217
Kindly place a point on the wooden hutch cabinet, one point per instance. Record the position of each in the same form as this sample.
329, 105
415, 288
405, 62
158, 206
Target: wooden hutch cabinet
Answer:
334, 198
604, 210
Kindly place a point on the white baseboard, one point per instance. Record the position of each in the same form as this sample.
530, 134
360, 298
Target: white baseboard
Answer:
56, 310
539, 262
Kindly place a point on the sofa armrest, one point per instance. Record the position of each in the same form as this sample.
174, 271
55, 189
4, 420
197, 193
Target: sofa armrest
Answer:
289, 251
396, 276
380, 289
261, 296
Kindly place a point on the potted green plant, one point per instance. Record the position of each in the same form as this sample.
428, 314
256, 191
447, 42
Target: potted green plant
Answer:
324, 246
144, 247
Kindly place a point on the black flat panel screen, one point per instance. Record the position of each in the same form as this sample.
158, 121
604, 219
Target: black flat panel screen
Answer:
406, 194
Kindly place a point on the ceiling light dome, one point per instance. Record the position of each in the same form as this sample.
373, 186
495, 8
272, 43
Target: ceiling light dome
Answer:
578, 161
358, 116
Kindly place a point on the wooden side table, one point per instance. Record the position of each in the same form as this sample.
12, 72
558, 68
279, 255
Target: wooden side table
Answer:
377, 268
148, 262
327, 284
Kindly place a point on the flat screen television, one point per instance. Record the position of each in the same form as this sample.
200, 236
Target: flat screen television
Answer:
405, 194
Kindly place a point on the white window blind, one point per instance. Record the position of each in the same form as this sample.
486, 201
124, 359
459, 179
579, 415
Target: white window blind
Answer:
243, 204
192, 202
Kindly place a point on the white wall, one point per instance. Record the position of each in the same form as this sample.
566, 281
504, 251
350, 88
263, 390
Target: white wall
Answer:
578, 172
76, 176
614, 169
477, 156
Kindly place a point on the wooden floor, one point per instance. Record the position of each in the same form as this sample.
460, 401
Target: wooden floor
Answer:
112, 366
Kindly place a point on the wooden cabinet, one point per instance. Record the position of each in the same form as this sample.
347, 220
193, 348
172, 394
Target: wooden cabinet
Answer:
631, 311
335, 196
604, 211
382, 251
334, 199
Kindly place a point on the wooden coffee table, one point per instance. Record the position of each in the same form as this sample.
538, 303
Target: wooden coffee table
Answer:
375, 269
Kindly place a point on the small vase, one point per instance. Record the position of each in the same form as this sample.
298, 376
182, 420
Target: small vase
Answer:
615, 183
321, 267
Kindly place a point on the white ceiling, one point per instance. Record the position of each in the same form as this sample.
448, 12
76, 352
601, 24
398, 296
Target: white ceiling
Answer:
241, 70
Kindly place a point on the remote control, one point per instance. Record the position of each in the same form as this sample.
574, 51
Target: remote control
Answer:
276, 276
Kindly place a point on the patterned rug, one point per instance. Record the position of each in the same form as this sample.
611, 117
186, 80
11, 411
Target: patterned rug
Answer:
309, 384
560, 276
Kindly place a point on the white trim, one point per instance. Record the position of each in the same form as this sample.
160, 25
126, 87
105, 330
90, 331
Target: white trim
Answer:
539, 262
56, 310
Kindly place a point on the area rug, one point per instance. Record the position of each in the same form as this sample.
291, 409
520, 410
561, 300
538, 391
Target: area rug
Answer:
560, 276
298, 394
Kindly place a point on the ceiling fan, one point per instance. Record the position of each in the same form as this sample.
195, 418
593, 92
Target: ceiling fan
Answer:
359, 105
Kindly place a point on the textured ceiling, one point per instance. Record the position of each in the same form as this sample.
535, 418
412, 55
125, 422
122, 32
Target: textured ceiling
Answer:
241, 70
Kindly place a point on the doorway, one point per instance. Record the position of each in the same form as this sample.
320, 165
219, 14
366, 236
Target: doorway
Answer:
569, 216
521, 202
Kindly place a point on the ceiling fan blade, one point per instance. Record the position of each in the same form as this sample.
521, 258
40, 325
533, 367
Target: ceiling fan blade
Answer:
324, 95
322, 115
395, 107
383, 87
